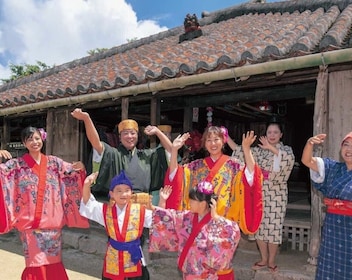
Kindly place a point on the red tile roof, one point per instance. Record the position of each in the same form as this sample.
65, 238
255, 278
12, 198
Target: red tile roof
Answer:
247, 33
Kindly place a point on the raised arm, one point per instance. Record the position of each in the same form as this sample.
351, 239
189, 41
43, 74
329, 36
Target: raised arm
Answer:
247, 140
164, 140
91, 131
88, 182
307, 155
232, 144
165, 193
178, 142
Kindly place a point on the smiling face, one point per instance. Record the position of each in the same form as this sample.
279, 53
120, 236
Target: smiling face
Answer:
129, 138
346, 152
121, 194
34, 143
214, 144
273, 134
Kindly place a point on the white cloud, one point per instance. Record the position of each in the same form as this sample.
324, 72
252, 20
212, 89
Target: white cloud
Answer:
59, 31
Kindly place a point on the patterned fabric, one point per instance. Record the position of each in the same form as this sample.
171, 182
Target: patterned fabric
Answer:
61, 200
335, 254
275, 192
131, 230
237, 201
42, 243
223, 182
247, 207
211, 251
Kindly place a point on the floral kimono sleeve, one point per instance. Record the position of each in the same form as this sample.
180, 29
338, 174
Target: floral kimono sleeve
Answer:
163, 236
10, 177
71, 183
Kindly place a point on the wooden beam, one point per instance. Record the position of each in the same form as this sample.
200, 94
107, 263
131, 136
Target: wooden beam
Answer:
235, 113
256, 109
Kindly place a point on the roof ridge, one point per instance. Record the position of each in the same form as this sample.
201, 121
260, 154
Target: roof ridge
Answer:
91, 58
274, 7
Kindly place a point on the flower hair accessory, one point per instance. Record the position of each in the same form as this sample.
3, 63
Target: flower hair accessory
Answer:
205, 187
225, 132
42, 133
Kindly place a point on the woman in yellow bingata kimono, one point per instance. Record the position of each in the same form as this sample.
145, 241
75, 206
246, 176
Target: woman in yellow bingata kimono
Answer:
238, 186
205, 241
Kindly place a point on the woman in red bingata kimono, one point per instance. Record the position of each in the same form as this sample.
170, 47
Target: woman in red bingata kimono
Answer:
39, 195
205, 241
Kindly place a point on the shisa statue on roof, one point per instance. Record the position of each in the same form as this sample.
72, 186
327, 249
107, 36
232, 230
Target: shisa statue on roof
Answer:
191, 23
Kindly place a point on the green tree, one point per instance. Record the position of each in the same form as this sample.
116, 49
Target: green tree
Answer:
132, 39
96, 51
19, 71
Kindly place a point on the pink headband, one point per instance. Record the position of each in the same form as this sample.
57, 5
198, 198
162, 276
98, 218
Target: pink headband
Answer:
349, 135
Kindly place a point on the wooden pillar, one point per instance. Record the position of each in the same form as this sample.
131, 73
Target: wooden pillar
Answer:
332, 115
63, 135
154, 117
124, 108
5, 134
187, 119
319, 126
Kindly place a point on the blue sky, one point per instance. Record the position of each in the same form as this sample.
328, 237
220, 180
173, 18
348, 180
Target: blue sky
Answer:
59, 31
172, 13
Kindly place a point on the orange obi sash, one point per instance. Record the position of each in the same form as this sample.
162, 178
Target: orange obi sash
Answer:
339, 207
227, 274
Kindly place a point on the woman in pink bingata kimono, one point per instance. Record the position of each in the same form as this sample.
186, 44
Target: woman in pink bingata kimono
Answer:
39, 195
205, 241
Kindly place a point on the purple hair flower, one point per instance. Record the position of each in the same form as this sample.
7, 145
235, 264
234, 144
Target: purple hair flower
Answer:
205, 187
43, 134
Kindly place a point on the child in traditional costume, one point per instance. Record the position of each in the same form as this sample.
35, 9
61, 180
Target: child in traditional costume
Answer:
39, 195
124, 222
205, 241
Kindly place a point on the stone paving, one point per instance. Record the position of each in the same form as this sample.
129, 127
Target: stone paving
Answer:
84, 251
292, 264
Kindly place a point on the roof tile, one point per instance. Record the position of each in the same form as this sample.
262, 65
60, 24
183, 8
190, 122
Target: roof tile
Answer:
246, 33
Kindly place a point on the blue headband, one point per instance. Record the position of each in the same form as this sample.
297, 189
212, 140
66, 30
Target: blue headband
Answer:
120, 179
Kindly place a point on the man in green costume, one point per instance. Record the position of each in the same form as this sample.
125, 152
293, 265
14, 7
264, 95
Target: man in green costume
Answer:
110, 161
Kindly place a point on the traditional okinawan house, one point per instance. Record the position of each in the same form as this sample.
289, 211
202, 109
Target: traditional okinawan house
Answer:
247, 63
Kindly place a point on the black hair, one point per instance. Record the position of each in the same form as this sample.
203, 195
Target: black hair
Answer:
194, 194
274, 120
28, 133
280, 126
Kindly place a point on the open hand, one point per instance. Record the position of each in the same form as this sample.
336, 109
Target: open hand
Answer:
90, 179
5, 154
180, 140
78, 166
165, 192
264, 143
317, 139
248, 139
